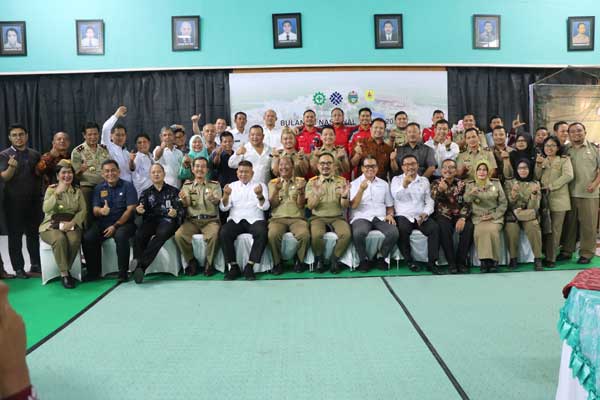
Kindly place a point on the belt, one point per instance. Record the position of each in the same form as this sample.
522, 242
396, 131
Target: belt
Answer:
202, 216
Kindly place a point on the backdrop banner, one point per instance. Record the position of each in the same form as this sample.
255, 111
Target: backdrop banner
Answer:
384, 92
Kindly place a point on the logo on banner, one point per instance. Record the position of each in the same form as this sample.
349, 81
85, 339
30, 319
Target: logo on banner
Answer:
319, 98
353, 97
370, 95
336, 98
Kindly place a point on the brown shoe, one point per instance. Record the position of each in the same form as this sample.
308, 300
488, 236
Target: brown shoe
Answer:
6, 275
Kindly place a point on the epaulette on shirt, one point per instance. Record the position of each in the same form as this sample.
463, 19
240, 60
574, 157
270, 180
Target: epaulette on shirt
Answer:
274, 180
53, 186
217, 182
495, 179
79, 148
314, 177
188, 182
103, 146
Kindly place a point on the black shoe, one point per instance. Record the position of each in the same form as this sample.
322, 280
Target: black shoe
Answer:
209, 270
249, 272
277, 270
319, 266
363, 266
381, 264
35, 270
433, 268
452, 269
584, 260
123, 276
300, 267
138, 275
21, 274
413, 266
512, 264
67, 282
192, 268
484, 267
91, 277
464, 269
549, 264
537, 264
336, 268
233, 273
563, 257
493, 266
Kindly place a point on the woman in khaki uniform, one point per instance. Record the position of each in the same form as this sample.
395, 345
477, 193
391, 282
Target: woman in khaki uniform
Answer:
64, 214
524, 197
288, 141
342, 163
488, 203
554, 171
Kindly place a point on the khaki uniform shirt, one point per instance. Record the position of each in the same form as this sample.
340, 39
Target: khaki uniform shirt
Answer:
399, 137
198, 194
469, 158
288, 196
528, 194
556, 175
93, 159
315, 154
299, 158
329, 205
489, 199
70, 201
586, 161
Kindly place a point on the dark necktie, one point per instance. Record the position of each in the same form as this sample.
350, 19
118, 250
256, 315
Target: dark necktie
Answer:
287, 37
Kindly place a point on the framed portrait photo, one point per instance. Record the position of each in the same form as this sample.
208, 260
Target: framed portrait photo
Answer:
486, 32
287, 31
388, 31
580, 33
185, 33
90, 36
14, 38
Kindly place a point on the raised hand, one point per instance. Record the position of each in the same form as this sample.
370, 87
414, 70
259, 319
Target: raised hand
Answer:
394, 154
196, 118
279, 184
442, 186
241, 151
187, 161
182, 195
346, 190
172, 213
504, 154
258, 190
140, 209
408, 179
227, 190
300, 184
539, 159
105, 210
121, 112
364, 185
12, 161
84, 167
132, 156
517, 123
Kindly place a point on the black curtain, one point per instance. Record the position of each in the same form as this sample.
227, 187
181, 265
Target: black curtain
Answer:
46, 104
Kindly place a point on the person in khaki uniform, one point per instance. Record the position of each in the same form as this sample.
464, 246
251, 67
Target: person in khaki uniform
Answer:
327, 196
474, 153
87, 159
64, 213
288, 141
488, 204
523, 194
554, 173
201, 198
584, 196
342, 163
397, 134
286, 195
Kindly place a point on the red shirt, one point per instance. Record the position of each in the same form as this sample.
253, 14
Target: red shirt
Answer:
342, 135
428, 133
305, 140
358, 134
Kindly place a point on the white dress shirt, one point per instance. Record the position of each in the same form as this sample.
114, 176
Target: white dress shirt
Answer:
243, 203
273, 137
239, 138
441, 154
117, 153
171, 161
374, 200
141, 174
261, 163
414, 200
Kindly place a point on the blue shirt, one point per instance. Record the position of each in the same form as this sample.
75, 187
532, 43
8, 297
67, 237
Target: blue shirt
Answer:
120, 196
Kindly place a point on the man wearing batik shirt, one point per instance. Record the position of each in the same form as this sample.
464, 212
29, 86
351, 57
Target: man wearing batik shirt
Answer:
375, 147
429, 133
452, 214
308, 138
363, 130
60, 151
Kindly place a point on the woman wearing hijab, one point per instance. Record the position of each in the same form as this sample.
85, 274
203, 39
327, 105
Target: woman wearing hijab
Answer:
554, 171
196, 150
524, 195
524, 149
488, 204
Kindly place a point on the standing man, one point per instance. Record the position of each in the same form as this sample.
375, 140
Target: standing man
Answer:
114, 137
220, 160
443, 146
308, 138
272, 133
327, 196
398, 132
114, 202
363, 130
372, 209
180, 139
201, 199
429, 133
561, 131
584, 196
414, 146
59, 151
501, 153
239, 135
342, 131
470, 122
140, 163
374, 146
169, 156
257, 152
220, 126
208, 133
246, 202
22, 199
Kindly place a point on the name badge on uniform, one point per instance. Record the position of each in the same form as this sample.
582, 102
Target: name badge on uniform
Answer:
104, 193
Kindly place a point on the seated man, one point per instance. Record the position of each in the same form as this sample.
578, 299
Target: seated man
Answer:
201, 198
452, 214
114, 201
246, 202
162, 213
372, 208
286, 195
327, 198
413, 205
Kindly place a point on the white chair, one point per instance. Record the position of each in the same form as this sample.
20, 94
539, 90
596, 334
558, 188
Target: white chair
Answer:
110, 262
525, 251
330, 239
419, 248
50, 269
167, 260
242, 244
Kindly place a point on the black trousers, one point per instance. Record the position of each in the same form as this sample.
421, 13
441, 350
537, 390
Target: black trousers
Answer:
446, 231
360, 230
23, 217
429, 228
92, 247
230, 231
150, 237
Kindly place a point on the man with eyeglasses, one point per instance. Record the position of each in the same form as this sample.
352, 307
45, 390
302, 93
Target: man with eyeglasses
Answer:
327, 196
372, 209
413, 205
452, 214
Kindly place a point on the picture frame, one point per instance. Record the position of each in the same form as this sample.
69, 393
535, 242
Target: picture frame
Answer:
14, 38
185, 33
89, 37
388, 31
580, 33
287, 30
486, 31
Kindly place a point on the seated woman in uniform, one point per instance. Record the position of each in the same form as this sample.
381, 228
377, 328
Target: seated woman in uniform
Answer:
64, 214
342, 163
488, 204
288, 141
524, 197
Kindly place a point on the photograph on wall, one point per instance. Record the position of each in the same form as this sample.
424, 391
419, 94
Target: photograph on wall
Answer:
580, 33
287, 31
90, 36
388, 31
185, 33
14, 41
486, 32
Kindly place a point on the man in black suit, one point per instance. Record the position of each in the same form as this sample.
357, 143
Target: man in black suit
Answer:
388, 34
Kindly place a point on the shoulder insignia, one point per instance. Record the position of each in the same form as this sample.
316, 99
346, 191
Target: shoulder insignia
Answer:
494, 179
216, 182
102, 145
53, 186
274, 180
188, 182
79, 148
314, 177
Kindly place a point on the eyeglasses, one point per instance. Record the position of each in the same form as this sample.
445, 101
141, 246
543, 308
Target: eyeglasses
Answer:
370, 166
550, 145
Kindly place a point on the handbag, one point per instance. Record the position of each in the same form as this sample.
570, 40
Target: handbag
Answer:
57, 218
524, 215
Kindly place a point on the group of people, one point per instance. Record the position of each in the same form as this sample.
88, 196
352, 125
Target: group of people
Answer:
306, 180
